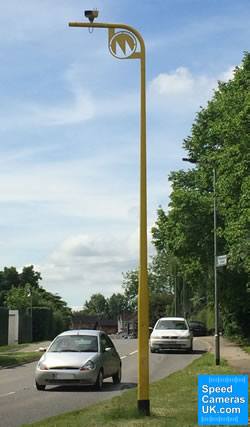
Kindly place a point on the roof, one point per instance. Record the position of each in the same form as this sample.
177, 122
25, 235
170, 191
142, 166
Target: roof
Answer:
107, 322
92, 320
129, 316
82, 332
85, 318
172, 318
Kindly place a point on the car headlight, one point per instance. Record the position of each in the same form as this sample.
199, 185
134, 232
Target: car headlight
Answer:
186, 337
154, 336
43, 366
89, 366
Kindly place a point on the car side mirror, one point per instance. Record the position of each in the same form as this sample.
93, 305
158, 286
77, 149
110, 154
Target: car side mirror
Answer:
108, 349
42, 349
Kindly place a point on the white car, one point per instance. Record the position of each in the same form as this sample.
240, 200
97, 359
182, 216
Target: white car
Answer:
171, 333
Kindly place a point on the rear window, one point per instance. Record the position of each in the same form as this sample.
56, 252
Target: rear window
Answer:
196, 324
171, 324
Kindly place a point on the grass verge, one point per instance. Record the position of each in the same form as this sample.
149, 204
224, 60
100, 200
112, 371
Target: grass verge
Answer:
11, 359
173, 402
12, 347
246, 348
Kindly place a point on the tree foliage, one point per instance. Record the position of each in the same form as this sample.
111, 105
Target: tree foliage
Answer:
96, 306
22, 291
103, 307
220, 141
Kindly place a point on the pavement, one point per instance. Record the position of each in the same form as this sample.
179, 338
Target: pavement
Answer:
35, 346
28, 347
231, 352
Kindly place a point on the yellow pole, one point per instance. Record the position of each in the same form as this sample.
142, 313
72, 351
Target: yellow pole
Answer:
143, 295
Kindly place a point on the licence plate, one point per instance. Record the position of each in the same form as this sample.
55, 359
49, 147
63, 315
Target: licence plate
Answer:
63, 377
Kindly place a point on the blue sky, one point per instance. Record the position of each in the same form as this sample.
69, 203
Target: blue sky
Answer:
69, 128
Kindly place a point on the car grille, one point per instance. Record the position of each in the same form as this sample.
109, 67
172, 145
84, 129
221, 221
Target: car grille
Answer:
64, 368
48, 381
171, 338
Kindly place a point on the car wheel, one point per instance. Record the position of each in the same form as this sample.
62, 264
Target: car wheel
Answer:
40, 387
117, 377
152, 350
190, 349
99, 381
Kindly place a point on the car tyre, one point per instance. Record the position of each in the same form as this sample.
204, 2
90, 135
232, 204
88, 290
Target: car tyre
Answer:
152, 350
99, 381
40, 387
117, 377
190, 349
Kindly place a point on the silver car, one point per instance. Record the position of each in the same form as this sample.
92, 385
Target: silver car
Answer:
171, 333
79, 357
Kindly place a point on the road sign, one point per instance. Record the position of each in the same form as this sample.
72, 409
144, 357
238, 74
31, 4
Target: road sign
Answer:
221, 261
123, 45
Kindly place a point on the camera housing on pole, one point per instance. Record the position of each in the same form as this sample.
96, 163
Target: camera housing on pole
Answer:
91, 14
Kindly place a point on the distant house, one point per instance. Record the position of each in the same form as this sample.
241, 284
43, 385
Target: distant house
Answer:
107, 325
128, 323
84, 321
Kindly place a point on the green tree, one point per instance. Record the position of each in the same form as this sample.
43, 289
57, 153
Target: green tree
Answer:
117, 304
21, 291
19, 298
220, 140
29, 275
160, 288
130, 287
96, 306
8, 277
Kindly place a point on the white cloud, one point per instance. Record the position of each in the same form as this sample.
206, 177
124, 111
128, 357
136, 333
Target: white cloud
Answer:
177, 82
84, 264
182, 91
227, 75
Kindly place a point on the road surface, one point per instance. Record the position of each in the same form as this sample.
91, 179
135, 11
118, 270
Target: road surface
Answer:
21, 403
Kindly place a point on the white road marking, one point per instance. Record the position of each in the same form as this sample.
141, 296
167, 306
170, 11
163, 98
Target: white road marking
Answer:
130, 354
7, 394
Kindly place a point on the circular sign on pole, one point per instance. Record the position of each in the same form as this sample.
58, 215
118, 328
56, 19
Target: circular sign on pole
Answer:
123, 45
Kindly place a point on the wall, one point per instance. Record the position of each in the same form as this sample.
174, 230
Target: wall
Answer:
13, 327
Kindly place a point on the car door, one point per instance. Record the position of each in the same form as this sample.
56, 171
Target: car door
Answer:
110, 358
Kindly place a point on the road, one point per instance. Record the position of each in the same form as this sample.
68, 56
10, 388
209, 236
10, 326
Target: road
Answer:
21, 403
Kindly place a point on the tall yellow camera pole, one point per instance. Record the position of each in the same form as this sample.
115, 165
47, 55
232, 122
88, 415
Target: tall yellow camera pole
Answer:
119, 43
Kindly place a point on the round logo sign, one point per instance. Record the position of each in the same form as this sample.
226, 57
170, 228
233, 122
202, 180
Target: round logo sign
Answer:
123, 45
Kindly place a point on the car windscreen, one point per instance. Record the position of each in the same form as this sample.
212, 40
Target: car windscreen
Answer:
75, 343
171, 324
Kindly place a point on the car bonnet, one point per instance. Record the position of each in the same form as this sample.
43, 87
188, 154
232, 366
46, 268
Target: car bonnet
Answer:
170, 333
67, 360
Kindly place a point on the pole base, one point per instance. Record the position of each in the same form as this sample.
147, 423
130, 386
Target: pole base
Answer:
217, 348
143, 407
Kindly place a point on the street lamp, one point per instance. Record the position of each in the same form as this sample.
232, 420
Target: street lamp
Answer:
216, 310
123, 45
216, 335
31, 310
